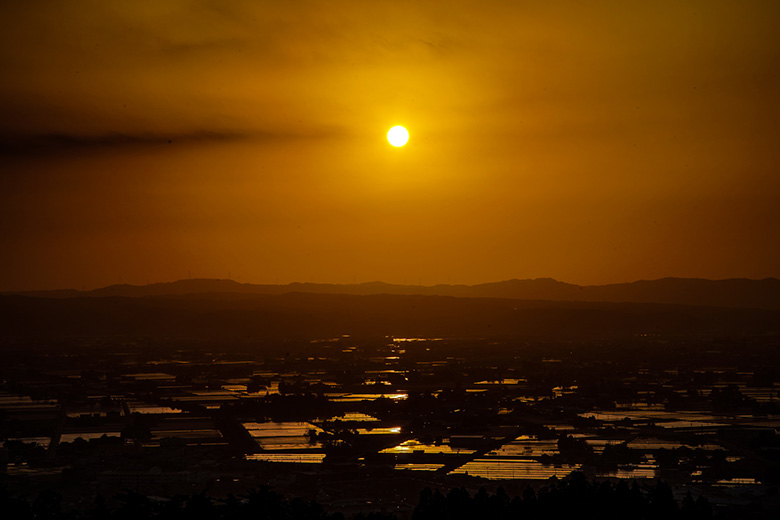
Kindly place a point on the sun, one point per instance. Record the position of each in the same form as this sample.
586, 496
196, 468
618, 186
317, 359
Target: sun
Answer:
398, 136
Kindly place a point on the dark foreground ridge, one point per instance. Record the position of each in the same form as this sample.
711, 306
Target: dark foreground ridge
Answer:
572, 497
735, 292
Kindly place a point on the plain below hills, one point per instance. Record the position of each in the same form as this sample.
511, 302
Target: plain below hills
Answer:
305, 316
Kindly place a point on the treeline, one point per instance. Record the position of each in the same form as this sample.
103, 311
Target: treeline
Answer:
130, 505
569, 499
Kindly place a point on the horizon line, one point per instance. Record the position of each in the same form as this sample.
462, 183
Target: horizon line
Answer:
311, 283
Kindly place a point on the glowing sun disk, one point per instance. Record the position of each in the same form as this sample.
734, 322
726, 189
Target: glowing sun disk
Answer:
398, 136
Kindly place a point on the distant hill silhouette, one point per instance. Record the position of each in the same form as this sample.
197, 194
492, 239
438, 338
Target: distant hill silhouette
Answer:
735, 292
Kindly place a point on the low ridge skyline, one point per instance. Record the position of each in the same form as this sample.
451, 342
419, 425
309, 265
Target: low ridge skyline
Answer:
734, 292
420, 282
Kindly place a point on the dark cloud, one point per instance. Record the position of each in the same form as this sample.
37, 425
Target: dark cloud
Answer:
47, 144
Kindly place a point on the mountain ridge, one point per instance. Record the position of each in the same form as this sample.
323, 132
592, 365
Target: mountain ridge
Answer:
730, 292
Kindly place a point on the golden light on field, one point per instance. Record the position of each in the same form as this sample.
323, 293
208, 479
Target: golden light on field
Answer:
398, 136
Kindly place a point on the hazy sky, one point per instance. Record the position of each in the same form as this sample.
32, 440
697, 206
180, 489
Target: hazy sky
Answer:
591, 142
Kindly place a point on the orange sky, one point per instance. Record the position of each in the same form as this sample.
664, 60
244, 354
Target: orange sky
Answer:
591, 142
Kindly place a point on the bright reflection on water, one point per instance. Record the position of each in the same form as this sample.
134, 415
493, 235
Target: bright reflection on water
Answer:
19, 403
40, 441
737, 482
496, 468
414, 446
528, 446
637, 471
354, 416
279, 429
419, 467
663, 418
351, 398
282, 435
651, 443
302, 458
379, 431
